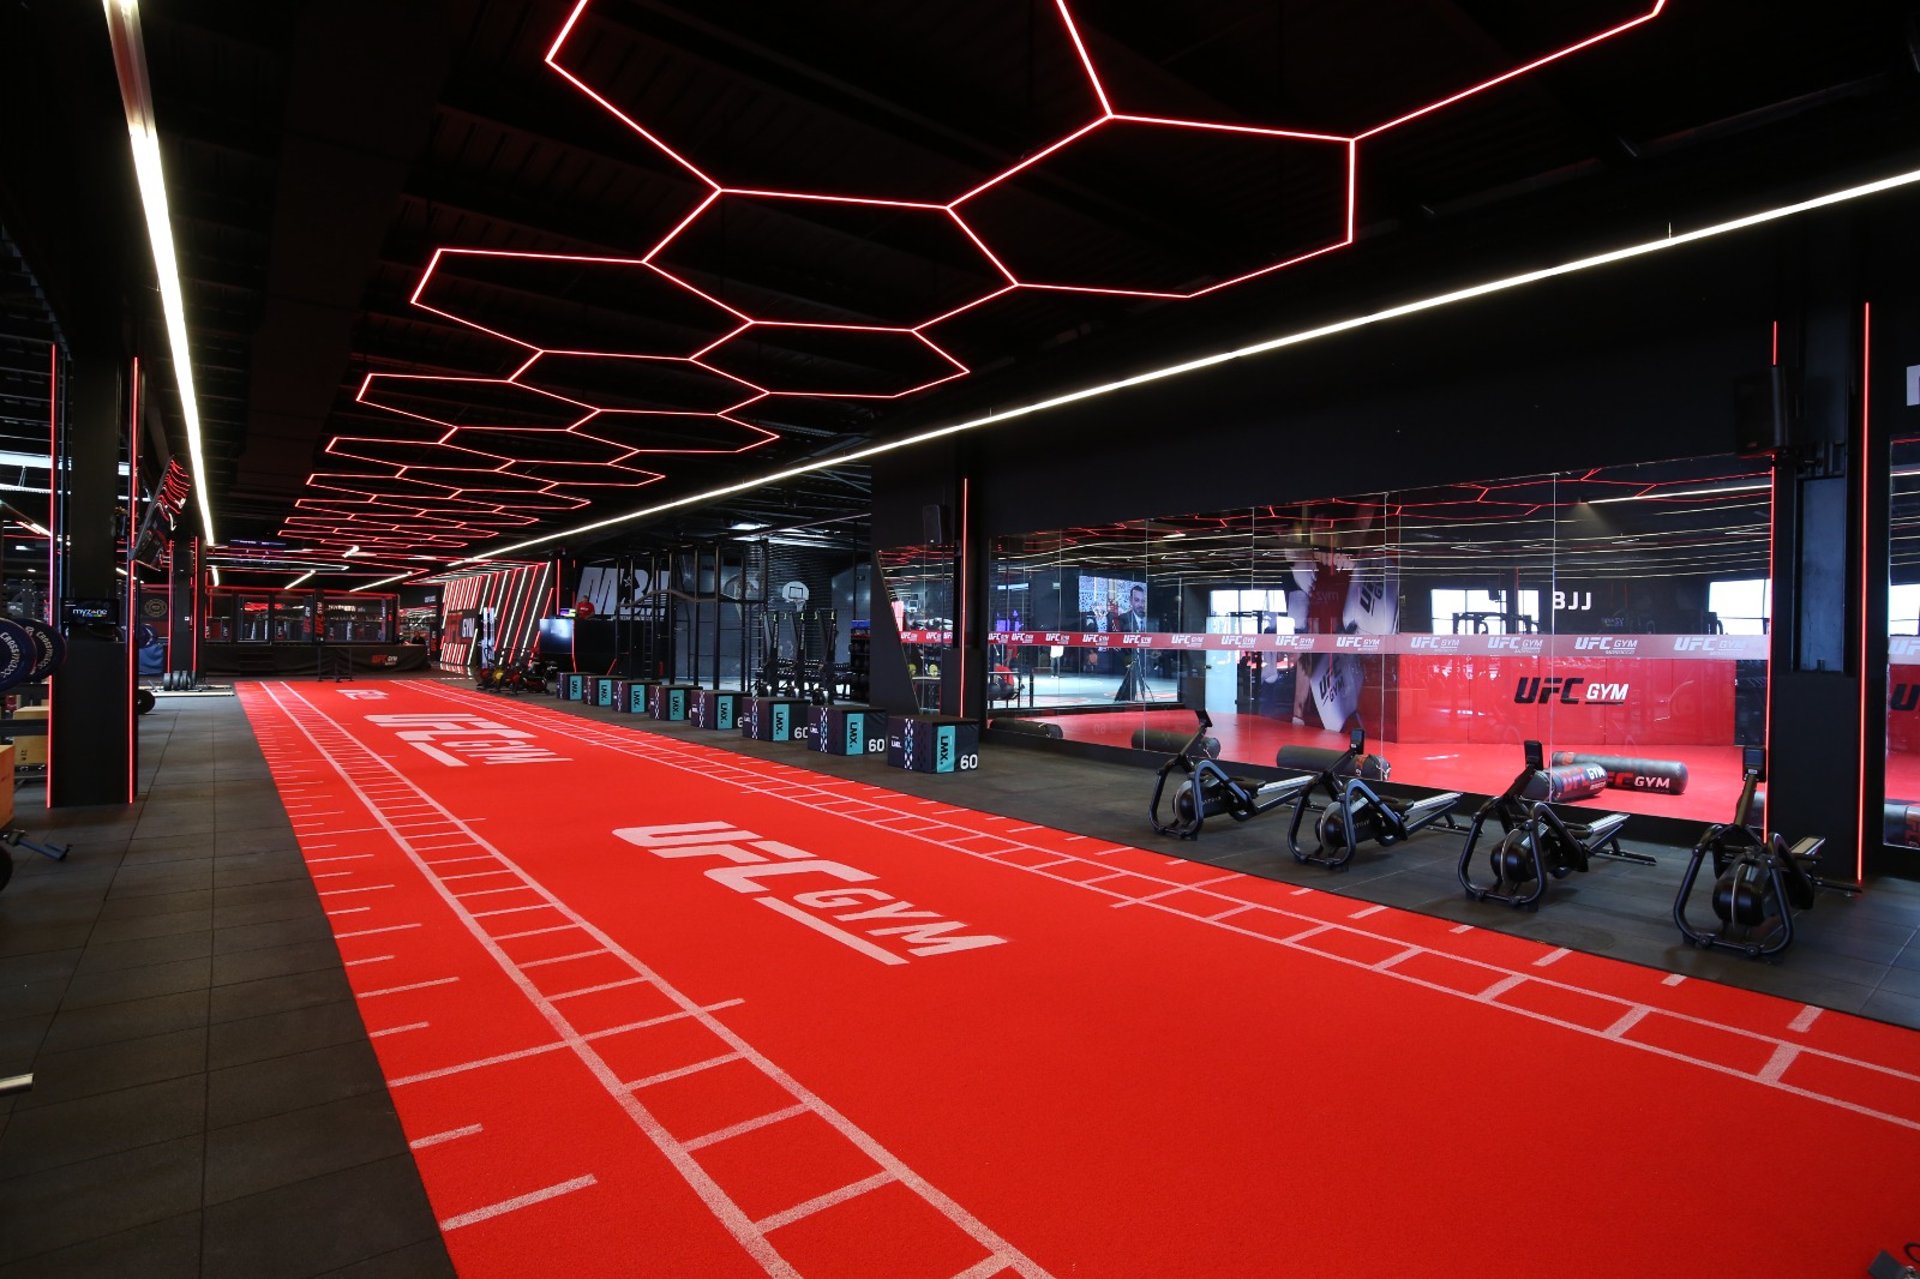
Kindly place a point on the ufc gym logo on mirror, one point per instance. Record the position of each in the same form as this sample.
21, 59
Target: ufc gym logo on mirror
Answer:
1533, 690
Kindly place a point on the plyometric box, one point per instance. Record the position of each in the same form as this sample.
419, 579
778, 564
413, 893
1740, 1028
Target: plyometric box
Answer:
606, 692
775, 719
573, 686
847, 730
933, 744
670, 701
716, 708
639, 699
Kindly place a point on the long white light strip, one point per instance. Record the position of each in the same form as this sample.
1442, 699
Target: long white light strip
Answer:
303, 577
136, 95
1502, 285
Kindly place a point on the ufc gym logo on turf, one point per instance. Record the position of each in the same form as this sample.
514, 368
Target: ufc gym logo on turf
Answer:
458, 740
1534, 690
882, 932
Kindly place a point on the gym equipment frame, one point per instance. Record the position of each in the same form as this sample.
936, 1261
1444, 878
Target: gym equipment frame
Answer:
1535, 841
1208, 790
1356, 811
1758, 883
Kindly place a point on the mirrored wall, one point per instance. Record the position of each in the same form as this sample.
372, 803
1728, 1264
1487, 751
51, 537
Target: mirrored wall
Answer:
1900, 819
1617, 614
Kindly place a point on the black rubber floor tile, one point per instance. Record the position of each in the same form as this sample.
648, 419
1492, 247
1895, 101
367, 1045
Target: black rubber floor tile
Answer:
21, 934
275, 961
1888, 1005
308, 927
135, 1019
260, 868
175, 903
166, 850
86, 1072
41, 1137
228, 915
28, 998
20, 1040
168, 1249
105, 957
39, 966
275, 1085
166, 877
278, 1150
299, 1030
300, 889
121, 984
427, 1260
142, 926
99, 1198
278, 994
320, 1224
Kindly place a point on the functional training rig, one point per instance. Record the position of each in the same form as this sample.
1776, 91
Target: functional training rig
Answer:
796, 654
1758, 883
1207, 790
1535, 841
1355, 811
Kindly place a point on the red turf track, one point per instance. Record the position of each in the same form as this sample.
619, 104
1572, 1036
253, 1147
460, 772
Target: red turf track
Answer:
1237, 1079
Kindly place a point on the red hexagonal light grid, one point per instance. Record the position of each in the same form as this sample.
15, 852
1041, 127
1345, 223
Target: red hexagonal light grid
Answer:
647, 310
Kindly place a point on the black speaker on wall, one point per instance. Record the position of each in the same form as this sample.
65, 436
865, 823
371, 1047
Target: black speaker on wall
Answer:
1763, 413
937, 528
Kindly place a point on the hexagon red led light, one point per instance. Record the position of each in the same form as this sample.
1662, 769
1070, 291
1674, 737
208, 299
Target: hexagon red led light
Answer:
649, 355
886, 264
834, 360
1119, 117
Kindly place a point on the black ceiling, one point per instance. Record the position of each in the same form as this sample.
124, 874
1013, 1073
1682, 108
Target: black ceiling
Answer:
319, 154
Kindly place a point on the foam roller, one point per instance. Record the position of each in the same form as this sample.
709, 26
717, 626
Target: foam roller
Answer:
1167, 741
1900, 823
1317, 759
1625, 772
1565, 782
1027, 728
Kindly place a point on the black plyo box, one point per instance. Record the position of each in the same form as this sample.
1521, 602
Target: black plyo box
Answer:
933, 744
669, 701
847, 730
775, 719
716, 708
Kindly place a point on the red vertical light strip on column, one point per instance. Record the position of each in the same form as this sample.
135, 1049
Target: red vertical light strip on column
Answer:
133, 579
1866, 482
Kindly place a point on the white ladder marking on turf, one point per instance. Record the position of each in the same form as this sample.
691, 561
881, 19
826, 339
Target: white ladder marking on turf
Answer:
820, 1202
1628, 1020
414, 985
1553, 956
683, 1071
1672, 979
1807, 1016
516, 1203
396, 1030
368, 932
1777, 1064
451, 1134
744, 1126
750, 1237
1365, 911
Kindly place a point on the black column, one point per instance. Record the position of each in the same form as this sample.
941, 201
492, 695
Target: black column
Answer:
90, 751
1815, 782
183, 601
